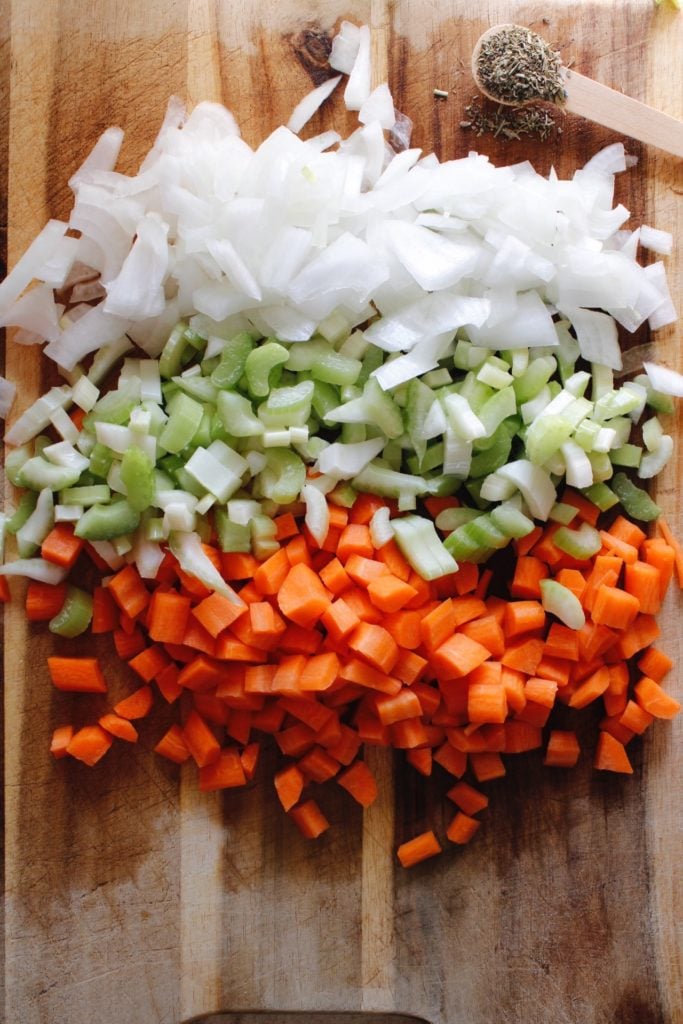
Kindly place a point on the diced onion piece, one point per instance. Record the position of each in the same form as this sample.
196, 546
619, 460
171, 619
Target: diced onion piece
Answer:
7, 395
35, 569
187, 548
37, 416
379, 106
534, 484
664, 380
381, 530
28, 266
656, 240
654, 462
345, 48
347, 460
306, 108
358, 86
317, 516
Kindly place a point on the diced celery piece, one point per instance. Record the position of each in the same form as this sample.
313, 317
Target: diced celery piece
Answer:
287, 407
532, 409
334, 368
581, 544
494, 456
615, 403
491, 373
137, 475
91, 494
261, 366
171, 359
283, 476
154, 529
422, 547
463, 547
655, 399
561, 602
36, 528
372, 360
602, 496
204, 432
485, 533
545, 436
436, 378
442, 485
432, 459
114, 407
562, 513
511, 520
232, 363
652, 433
586, 434
498, 408
37, 473
200, 388
185, 416
461, 355
636, 502
452, 518
25, 508
303, 354
535, 377
601, 468
653, 462
602, 381
472, 389
378, 479
75, 614
14, 462
105, 522
325, 397
334, 327
263, 536
628, 455
374, 406
237, 415
463, 421
577, 383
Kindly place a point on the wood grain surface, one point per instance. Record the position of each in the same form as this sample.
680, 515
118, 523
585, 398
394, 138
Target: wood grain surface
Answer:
131, 899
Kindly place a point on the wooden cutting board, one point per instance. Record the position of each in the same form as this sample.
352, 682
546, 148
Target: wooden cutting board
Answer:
130, 899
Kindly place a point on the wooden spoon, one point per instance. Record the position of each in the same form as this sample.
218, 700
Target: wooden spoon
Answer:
602, 105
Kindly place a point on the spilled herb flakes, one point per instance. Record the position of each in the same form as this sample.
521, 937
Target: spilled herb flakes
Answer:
509, 122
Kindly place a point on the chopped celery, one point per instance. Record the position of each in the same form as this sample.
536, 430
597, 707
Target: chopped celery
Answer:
38, 473
462, 419
287, 407
655, 399
601, 496
137, 474
231, 536
185, 416
237, 415
334, 368
433, 458
36, 528
101, 459
562, 513
501, 405
263, 536
373, 406
451, 518
114, 407
387, 483
581, 544
422, 548
187, 548
204, 432
372, 360
484, 532
75, 614
628, 455
201, 388
171, 358
494, 456
14, 462
260, 367
304, 354
344, 495
283, 476
653, 462
545, 436
154, 529
463, 547
535, 377
233, 360
27, 503
104, 522
561, 602
325, 397
636, 502
511, 520
420, 399
215, 472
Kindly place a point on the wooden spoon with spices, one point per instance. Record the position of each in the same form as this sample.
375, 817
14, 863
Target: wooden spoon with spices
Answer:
514, 66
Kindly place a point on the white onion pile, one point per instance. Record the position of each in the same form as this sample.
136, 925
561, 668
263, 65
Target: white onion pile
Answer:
327, 234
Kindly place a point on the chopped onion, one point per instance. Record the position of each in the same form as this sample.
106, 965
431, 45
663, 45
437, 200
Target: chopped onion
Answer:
35, 569
358, 86
306, 108
379, 106
345, 48
7, 395
29, 265
668, 382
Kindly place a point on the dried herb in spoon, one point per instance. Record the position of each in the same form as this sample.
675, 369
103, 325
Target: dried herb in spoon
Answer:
515, 65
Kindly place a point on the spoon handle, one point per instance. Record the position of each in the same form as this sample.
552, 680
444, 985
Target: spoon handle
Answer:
630, 117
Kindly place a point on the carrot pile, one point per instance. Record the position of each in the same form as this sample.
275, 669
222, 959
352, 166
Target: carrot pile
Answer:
339, 645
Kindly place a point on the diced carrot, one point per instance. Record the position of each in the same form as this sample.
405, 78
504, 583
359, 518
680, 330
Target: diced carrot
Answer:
249, 758
310, 712
89, 744
289, 785
513, 682
129, 591
418, 849
643, 581
642, 632
61, 546
487, 765
458, 656
573, 580
487, 632
77, 675
675, 545
617, 546
338, 516
523, 545
137, 704
614, 607
653, 699
655, 551
238, 565
375, 645
523, 617
119, 727
61, 738
364, 508
239, 723
408, 733
529, 572
561, 642
335, 577
524, 655
462, 828
320, 672
339, 619
563, 749
128, 644
591, 688
487, 702
318, 764
355, 540
391, 555
467, 798
167, 617
150, 662
45, 600
521, 737
587, 511
405, 627
225, 772
259, 678
302, 597
389, 593
421, 759
610, 755
454, 761
200, 740
309, 819
655, 664
635, 718
615, 728
285, 526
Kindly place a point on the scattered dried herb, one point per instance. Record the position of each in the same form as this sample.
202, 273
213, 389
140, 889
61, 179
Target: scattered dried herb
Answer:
515, 65
509, 122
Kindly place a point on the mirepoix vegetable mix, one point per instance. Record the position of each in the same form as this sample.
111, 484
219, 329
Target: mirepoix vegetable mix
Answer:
346, 434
